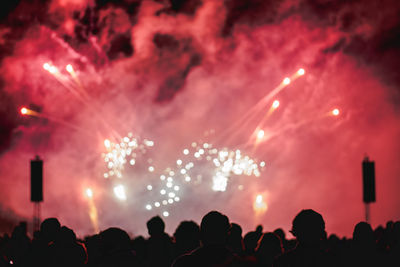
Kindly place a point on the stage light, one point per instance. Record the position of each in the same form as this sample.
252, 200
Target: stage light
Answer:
275, 104
286, 81
301, 72
165, 213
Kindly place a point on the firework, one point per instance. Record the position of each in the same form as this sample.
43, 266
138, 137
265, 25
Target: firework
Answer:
260, 206
119, 192
92, 209
223, 163
125, 151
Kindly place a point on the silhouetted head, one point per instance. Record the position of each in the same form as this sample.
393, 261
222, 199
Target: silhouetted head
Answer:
113, 239
308, 227
19, 230
269, 246
50, 229
235, 240
214, 228
259, 229
67, 235
155, 226
279, 232
236, 230
250, 241
187, 232
363, 234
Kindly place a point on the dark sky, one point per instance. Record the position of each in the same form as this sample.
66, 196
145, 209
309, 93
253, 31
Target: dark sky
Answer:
171, 70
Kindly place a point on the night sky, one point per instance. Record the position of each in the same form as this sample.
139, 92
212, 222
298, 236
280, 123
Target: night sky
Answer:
177, 72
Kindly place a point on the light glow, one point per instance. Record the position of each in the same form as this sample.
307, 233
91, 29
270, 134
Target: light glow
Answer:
24, 111
286, 81
260, 134
119, 192
301, 72
335, 112
260, 206
275, 104
89, 192
69, 68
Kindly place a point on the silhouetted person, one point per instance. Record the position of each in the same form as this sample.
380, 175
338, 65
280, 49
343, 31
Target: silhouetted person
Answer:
309, 229
116, 248
187, 238
250, 241
363, 250
49, 230
394, 254
268, 249
66, 250
159, 245
139, 246
93, 248
235, 240
20, 245
281, 234
48, 234
214, 229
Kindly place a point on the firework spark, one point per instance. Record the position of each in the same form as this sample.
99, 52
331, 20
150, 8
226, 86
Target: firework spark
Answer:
125, 151
190, 169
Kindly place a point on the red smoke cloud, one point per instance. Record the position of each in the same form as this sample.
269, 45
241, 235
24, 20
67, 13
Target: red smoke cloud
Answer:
170, 73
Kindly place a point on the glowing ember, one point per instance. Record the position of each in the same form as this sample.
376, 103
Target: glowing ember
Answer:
260, 134
24, 111
89, 192
335, 112
69, 68
286, 81
301, 72
275, 104
259, 205
46, 66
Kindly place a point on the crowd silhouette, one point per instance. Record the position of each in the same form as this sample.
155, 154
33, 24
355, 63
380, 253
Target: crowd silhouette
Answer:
216, 242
